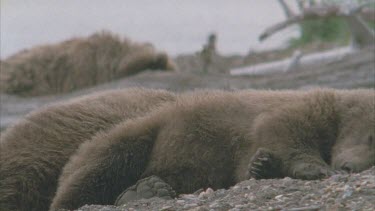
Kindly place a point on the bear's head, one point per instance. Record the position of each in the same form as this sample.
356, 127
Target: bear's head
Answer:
354, 150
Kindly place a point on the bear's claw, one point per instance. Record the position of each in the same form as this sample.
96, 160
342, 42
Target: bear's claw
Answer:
146, 188
264, 165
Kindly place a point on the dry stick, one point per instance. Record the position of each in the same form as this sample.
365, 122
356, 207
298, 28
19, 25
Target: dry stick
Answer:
288, 12
308, 13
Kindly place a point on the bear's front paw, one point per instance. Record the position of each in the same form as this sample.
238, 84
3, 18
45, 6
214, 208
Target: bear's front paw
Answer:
310, 171
264, 165
146, 188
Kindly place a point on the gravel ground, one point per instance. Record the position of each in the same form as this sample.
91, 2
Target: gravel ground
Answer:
339, 192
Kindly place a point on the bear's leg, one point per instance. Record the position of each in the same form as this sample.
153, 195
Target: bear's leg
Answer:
106, 165
264, 165
146, 188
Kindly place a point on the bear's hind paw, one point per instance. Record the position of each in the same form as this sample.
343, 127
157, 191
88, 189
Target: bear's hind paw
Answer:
146, 188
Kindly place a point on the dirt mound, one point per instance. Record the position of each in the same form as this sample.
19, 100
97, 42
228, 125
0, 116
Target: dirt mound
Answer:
77, 63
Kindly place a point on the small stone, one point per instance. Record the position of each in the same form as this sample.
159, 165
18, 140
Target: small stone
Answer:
236, 187
214, 205
206, 194
165, 208
252, 198
348, 191
220, 192
287, 179
241, 206
180, 201
209, 191
200, 208
202, 195
328, 189
188, 196
278, 197
186, 206
330, 201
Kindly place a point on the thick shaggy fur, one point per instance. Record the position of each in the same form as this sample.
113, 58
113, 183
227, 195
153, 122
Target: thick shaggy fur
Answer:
200, 139
34, 151
78, 63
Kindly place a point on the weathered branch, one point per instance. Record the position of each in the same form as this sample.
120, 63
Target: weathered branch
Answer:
326, 11
308, 13
288, 12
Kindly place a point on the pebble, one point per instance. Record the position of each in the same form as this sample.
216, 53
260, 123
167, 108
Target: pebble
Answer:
220, 192
209, 191
165, 208
330, 201
214, 205
190, 206
206, 194
278, 197
251, 197
189, 196
348, 191
236, 187
242, 206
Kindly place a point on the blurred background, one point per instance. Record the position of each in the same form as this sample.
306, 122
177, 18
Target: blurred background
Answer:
53, 50
172, 25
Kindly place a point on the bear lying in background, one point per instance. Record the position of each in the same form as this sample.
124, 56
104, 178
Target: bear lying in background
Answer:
102, 145
78, 63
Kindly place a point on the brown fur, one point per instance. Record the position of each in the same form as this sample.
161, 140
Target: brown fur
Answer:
207, 138
78, 63
34, 151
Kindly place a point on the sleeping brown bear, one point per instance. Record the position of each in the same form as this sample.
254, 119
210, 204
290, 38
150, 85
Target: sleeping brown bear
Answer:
194, 140
34, 151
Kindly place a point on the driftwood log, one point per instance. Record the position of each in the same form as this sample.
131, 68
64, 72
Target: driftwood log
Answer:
361, 36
